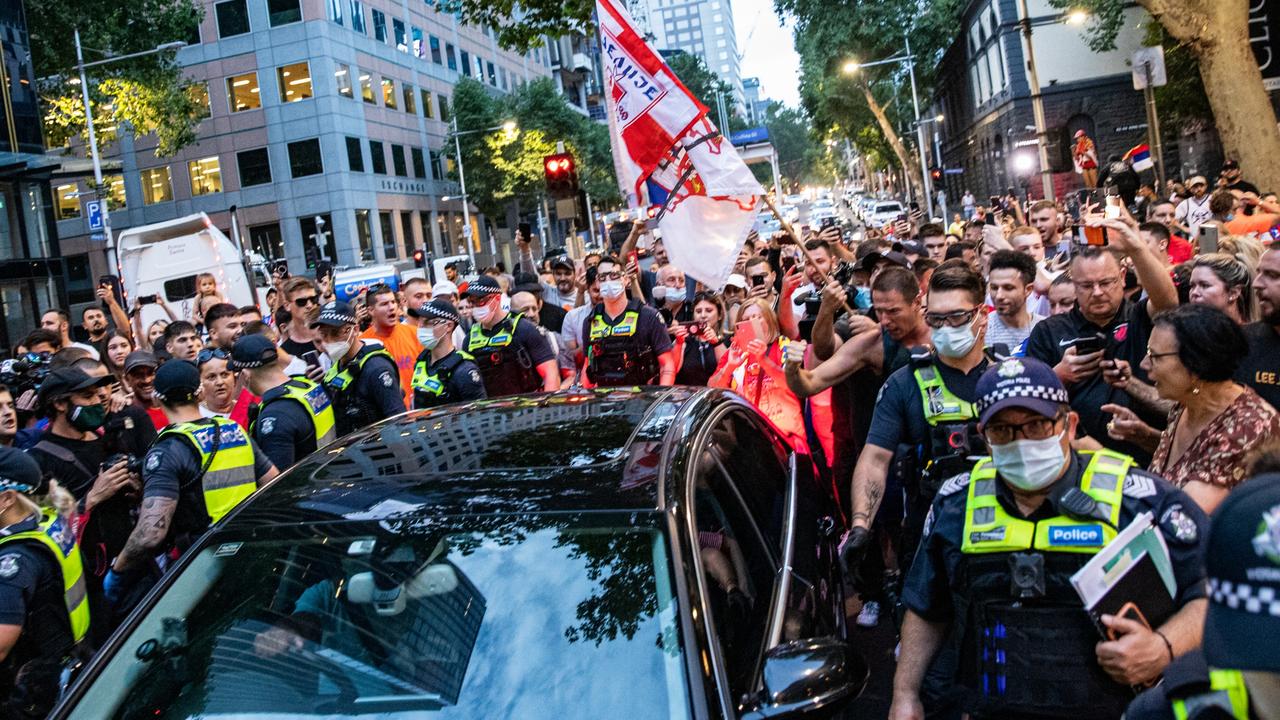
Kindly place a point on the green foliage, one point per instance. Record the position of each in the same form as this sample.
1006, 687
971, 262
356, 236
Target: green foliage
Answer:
1182, 102
521, 25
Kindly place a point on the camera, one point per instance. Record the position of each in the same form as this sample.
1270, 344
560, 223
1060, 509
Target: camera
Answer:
25, 372
1026, 575
131, 462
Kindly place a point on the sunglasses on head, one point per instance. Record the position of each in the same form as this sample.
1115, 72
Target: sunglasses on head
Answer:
210, 354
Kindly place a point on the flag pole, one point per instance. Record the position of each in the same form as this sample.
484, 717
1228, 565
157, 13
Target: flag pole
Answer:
800, 244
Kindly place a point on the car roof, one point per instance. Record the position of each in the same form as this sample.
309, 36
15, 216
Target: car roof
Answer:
574, 451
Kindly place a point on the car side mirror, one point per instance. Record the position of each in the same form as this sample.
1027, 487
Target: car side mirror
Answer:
815, 677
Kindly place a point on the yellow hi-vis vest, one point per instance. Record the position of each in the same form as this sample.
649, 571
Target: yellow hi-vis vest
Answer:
60, 538
989, 529
230, 477
316, 401
940, 404
1226, 690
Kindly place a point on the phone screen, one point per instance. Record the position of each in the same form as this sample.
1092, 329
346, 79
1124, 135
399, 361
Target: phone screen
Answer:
1113, 207
744, 332
526, 230
1208, 238
311, 358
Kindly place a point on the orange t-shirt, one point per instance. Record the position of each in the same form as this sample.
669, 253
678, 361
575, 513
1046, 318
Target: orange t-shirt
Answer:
1257, 223
403, 345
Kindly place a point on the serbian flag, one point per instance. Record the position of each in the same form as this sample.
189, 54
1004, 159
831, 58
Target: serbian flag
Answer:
666, 151
1140, 157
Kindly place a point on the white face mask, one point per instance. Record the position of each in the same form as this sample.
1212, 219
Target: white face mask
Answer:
953, 342
612, 289
1030, 465
676, 295
480, 313
427, 338
659, 292
337, 350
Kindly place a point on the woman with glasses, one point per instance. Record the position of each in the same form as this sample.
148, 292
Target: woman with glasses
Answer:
699, 346
752, 367
1215, 422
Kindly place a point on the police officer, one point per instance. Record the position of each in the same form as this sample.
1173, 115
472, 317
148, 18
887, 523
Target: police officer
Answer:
196, 472
1000, 546
295, 417
442, 374
1237, 673
44, 612
626, 341
511, 354
364, 380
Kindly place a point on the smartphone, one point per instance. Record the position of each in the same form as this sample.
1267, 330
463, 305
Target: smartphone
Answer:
915, 206
995, 203
147, 299
324, 269
788, 262
758, 280
1208, 238
694, 328
635, 258
828, 222
311, 358
1089, 344
280, 269
113, 283
1095, 236
525, 230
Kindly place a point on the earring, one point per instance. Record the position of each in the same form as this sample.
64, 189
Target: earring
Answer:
1195, 390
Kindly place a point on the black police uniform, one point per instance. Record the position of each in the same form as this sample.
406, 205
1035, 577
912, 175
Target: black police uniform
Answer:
1187, 680
365, 390
453, 378
623, 351
1034, 656
508, 355
31, 595
284, 429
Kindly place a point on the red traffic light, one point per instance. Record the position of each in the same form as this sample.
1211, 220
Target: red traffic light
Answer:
561, 176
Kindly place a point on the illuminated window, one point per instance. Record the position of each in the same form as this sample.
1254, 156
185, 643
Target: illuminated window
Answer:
389, 93
366, 88
342, 76
295, 82
206, 176
242, 92
68, 200
156, 186
426, 105
113, 186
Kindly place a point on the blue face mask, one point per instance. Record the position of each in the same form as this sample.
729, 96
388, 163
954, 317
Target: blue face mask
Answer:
862, 299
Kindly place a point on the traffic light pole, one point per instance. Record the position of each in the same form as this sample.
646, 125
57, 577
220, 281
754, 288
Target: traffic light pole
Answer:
466, 201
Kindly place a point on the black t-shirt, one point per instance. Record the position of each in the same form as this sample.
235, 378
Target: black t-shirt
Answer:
284, 431
1128, 333
111, 522
1243, 186
31, 596
1260, 369
699, 362
899, 414
297, 349
170, 471
551, 317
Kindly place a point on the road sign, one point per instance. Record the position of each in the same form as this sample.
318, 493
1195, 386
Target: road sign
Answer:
953, 171
1148, 66
750, 135
97, 237
93, 210
466, 231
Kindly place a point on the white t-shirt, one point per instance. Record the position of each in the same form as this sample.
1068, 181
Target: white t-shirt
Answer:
1014, 338
1192, 212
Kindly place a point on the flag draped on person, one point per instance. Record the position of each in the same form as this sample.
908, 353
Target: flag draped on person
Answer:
667, 152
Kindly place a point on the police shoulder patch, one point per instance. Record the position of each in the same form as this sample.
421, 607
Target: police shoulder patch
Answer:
1139, 486
954, 485
8, 566
387, 380
475, 376
153, 460
268, 424
1176, 523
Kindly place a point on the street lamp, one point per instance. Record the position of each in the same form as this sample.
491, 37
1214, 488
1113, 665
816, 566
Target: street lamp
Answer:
510, 128
1073, 17
113, 266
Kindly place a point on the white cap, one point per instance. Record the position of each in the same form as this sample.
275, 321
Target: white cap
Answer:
444, 287
737, 281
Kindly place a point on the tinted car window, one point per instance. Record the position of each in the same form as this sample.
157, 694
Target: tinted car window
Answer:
758, 465
407, 619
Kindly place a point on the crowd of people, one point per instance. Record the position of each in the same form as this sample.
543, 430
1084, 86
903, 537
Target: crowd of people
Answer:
968, 391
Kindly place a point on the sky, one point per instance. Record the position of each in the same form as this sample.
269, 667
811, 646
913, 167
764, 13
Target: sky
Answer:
768, 50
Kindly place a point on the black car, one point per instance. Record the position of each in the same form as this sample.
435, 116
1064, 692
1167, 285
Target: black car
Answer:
611, 554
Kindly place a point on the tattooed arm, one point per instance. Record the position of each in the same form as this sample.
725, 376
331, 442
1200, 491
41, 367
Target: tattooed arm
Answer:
153, 527
868, 483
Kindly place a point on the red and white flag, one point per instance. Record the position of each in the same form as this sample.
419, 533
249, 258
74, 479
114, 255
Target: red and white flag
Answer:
667, 150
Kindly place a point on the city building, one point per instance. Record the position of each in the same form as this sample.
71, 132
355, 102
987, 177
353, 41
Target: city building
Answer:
698, 27
316, 109
578, 74
987, 138
35, 272
755, 107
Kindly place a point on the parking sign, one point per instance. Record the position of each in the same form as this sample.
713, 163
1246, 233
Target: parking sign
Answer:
93, 210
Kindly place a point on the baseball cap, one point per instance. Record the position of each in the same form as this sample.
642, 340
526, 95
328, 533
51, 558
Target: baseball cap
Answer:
483, 286
444, 287
67, 380
871, 259
176, 379
1079, 134
1197, 180
912, 247
252, 351
1242, 560
1022, 383
335, 314
20, 472
527, 282
140, 358
1230, 164
736, 280
561, 261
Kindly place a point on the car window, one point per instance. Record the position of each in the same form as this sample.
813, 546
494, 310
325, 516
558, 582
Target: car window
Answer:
758, 465
412, 618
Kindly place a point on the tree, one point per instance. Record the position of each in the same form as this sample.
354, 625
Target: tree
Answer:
146, 95
1217, 34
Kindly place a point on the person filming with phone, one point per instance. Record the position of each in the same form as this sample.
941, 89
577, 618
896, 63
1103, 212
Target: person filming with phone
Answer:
626, 342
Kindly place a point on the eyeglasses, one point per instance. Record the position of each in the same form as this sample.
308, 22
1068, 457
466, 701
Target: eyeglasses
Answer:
955, 319
608, 276
438, 323
1037, 429
1104, 285
308, 300
1158, 355
211, 354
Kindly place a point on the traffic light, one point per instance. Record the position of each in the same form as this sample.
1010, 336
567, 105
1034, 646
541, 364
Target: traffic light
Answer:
562, 176
420, 258
935, 173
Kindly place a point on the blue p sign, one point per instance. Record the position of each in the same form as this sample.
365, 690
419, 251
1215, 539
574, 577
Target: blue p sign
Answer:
93, 210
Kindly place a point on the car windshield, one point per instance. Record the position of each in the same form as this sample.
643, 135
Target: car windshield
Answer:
888, 208
400, 619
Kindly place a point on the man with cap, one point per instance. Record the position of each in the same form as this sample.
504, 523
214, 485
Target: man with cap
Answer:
195, 473
1195, 209
44, 612
564, 293
512, 355
1000, 546
139, 375
296, 414
548, 316
442, 374
364, 380
626, 341
1236, 674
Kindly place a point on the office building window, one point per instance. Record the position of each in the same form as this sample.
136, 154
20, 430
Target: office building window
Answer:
67, 199
502, 78
242, 92
419, 164
305, 158
295, 82
199, 92
283, 12
388, 235
364, 235
426, 105
357, 16
156, 186
206, 175
377, 157
406, 231
435, 51
113, 186
410, 97
493, 76
266, 240
233, 18
389, 93
401, 35
466, 62
419, 49
366, 87
355, 155
397, 161
379, 25
443, 100
312, 250
479, 69
254, 166
451, 57
335, 10
342, 77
